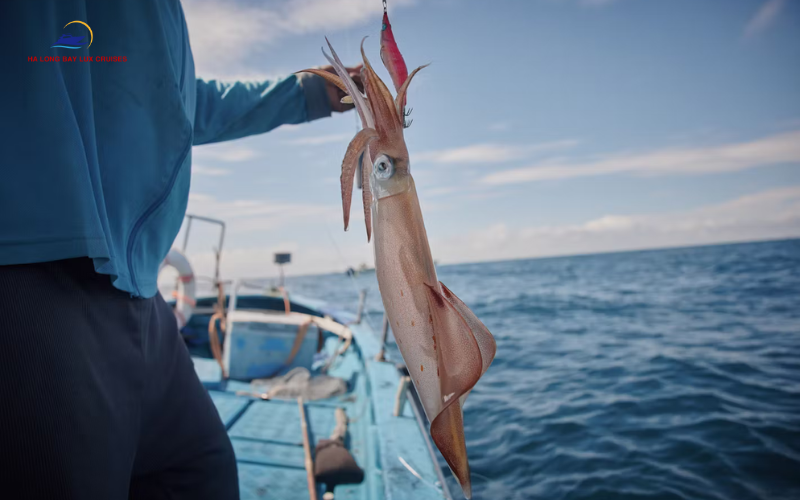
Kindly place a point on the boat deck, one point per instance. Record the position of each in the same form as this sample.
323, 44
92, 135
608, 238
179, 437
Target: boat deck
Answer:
267, 436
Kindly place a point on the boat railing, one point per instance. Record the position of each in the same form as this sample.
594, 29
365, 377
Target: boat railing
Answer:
407, 394
381, 356
362, 301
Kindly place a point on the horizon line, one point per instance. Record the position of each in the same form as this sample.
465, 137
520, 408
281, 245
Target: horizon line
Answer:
571, 255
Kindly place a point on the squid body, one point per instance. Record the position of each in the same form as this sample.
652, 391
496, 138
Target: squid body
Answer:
445, 347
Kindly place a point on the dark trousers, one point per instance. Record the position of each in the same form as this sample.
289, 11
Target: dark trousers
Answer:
98, 396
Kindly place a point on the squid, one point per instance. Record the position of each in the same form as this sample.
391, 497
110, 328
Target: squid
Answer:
445, 346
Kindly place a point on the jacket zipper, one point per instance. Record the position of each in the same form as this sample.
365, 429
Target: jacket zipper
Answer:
152, 208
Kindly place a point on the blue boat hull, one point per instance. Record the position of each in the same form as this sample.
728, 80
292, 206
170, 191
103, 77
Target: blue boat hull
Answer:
267, 436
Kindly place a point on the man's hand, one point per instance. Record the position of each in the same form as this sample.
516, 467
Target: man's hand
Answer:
335, 94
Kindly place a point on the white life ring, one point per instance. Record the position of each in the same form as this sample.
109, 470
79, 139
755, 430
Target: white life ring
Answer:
185, 294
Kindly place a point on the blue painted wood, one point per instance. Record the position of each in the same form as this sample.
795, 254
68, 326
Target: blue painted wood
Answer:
260, 482
229, 407
261, 452
208, 371
396, 436
261, 349
400, 438
274, 421
267, 438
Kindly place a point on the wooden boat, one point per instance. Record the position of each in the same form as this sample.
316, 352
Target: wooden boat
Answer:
373, 413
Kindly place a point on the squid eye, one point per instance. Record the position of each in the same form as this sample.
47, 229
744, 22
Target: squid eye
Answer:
383, 167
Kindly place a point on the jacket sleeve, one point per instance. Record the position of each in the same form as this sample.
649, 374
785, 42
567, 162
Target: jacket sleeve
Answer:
231, 110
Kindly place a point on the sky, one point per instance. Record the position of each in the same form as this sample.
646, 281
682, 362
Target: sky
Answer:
541, 127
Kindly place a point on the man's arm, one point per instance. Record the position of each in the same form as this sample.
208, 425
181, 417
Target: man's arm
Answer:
231, 110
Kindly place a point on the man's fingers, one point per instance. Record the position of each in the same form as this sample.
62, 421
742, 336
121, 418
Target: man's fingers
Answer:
355, 74
336, 94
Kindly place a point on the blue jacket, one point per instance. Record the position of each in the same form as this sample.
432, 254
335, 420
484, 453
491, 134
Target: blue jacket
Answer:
96, 156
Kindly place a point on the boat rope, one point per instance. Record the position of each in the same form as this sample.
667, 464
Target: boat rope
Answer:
340, 431
345, 344
286, 304
213, 334
298, 342
213, 339
179, 297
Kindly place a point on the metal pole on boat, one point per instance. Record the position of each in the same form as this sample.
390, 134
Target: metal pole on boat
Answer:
381, 356
401, 396
309, 462
186, 234
281, 259
362, 299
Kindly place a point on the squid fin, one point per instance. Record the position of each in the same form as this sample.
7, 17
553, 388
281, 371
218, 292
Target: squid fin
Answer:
483, 336
460, 366
349, 166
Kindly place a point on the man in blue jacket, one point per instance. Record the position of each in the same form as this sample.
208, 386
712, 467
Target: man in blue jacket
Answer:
98, 396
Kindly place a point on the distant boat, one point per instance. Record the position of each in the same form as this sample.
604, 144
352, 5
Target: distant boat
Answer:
363, 268
68, 41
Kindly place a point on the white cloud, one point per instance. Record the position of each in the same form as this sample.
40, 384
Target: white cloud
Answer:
237, 154
223, 33
290, 128
257, 262
243, 216
226, 152
489, 153
321, 139
209, 171
764, 17
777, 149
765, 215
441, 191
499, 126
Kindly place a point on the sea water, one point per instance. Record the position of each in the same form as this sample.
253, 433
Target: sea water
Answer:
668, 374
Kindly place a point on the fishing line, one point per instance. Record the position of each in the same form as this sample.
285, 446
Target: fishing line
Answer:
481, 476
365, 312
417, 474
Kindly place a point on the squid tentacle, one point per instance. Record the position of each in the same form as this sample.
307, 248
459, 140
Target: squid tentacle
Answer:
328, 77
400, 100
381, 99
349, 166
360, 102
366, 192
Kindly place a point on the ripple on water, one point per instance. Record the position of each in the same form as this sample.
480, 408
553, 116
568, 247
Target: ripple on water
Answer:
670, 374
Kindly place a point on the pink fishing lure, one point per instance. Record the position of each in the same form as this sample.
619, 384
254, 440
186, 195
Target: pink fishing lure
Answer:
391, 56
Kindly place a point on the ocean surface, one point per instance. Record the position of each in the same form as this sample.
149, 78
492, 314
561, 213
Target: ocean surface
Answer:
669, 374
